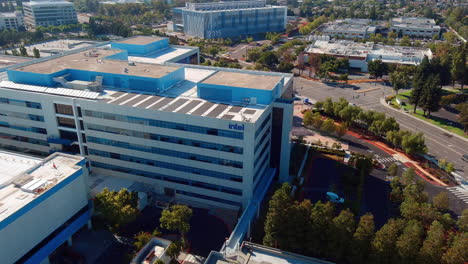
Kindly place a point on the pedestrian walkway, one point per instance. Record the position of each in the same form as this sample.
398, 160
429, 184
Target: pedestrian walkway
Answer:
460, 191
387, 160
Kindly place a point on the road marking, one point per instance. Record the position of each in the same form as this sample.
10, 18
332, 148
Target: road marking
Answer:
460, 192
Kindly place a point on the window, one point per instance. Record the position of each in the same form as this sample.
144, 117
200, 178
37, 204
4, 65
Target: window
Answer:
63, 109
20, 103
66, 122
68, 135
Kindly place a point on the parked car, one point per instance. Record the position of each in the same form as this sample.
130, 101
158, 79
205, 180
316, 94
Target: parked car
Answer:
465, 158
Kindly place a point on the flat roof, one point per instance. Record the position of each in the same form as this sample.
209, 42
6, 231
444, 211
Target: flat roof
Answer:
161, 56
140, 40
243, 80
96, 62
31, 177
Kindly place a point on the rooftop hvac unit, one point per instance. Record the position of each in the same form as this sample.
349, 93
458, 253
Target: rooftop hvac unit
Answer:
253, 100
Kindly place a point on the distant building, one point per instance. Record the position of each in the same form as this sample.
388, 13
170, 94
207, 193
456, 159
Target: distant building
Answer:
229, 19
11, 20
415, 27
43, 202
359, 54
49, 13
350, 28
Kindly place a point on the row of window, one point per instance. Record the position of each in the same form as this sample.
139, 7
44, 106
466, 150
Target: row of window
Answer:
22, 115
24, 128
260, 142
260, 154
264, 123
164, 138
24, 139
157, 176
165, 165
261, 169
166, 152
208, 198
20, 103
166, 124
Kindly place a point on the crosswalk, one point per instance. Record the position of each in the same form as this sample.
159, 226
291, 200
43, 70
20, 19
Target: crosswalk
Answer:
387, 160
460, 191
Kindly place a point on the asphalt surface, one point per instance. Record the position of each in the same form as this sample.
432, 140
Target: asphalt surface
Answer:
439, 143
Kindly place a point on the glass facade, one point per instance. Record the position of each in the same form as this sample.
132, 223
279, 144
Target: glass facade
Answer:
22, 115
166, 152
165, 138
20, 103
166, 124
166, 165
24, 128
24, 139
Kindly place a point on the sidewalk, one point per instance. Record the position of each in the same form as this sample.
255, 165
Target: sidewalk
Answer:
403, 158
382, 101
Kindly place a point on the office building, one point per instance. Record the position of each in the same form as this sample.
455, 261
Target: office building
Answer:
229, 19
415, 27
359, 54
197, 134
350, 28
49, 13
43, 202
11, 20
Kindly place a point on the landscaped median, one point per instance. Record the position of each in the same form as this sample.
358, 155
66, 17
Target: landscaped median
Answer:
401, 101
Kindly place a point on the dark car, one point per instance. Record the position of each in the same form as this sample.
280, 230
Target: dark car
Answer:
465, 158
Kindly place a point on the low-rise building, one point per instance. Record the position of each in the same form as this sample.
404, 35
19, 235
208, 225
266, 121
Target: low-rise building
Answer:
49, 13
43, 202
359, 54
11, 20
415, 27
350, 28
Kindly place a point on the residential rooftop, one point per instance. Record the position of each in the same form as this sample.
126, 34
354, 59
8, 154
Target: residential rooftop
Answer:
140, 40
25, 178
95, 60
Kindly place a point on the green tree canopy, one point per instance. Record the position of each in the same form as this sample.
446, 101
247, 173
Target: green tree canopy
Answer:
117, 208
176, 218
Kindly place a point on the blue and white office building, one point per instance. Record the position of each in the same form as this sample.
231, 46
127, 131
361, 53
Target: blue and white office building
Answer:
229, 19
43, 203
198, 134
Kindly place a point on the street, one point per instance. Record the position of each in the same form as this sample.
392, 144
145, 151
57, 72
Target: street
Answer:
368, 95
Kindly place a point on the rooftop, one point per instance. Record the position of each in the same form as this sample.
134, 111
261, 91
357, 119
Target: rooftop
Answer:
25, 178
140, 40
352, 24
243, 80
420, 22
95, 61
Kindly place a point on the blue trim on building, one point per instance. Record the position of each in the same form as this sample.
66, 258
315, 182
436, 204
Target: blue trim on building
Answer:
13, 217
53, 244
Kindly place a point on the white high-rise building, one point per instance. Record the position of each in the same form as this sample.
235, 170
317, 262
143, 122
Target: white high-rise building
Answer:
49, 13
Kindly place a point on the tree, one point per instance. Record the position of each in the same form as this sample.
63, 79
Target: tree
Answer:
457, 253
405, 41
320, 218
174, 249
399, 80
213, 51
396, 195
393, 170
141, 239
459, 68
384, 243
23, 51
117, 208
431, 95
410, 241
328, 126
433, 246
463, 221
341, 130
36, 53
419, 80
463, 116
441, 201
176, 218
307, 119
340, 232
298, 226
362, 239
414, 144
377, 68
277, 217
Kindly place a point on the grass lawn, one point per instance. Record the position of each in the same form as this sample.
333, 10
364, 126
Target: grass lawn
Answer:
419, 114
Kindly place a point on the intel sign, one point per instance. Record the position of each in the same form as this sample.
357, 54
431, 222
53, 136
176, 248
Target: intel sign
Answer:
236, 127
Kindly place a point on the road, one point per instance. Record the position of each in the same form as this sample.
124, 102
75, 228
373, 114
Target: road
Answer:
440, 144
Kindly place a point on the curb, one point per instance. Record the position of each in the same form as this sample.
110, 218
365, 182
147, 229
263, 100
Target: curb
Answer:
382, 101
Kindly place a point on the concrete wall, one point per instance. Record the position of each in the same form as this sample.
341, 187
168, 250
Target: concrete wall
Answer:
134, 49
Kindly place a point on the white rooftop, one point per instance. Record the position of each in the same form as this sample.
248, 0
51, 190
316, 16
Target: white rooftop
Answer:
26, 178
161, 56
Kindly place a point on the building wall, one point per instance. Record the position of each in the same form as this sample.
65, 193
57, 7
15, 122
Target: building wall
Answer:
49, 13
234, 23
12, 20
35, 222
142, 49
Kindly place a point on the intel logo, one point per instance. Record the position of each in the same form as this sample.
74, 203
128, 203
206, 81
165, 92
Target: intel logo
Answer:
236, 127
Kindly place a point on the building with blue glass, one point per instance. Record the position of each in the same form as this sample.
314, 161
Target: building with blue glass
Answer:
43, 203
229, 19
204, 135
